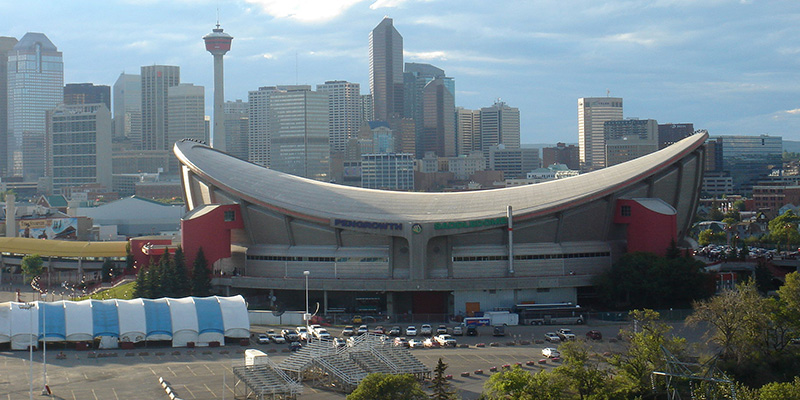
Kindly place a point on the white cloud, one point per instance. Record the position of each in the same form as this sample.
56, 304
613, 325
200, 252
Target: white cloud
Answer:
305, 10
796, 111
426, 55
386, 4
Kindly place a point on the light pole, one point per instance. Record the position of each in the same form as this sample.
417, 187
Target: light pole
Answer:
29, 307
45, 390
306, 316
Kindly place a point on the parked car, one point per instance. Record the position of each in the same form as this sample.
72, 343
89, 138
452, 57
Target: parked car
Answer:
348, 331
379, 330
458, 330
441, 330
339, 342
302, 331
290, 335
550, 352
551, 337
411, 331
594, 335
472, 330
263, 338
425, 330
274, 337
565, 334
446, 340
431, 343
401, 342
415, 343
362, 329
294, 346
357, 319
322, 333
395, 331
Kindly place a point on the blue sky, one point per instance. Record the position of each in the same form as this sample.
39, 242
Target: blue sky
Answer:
729, 66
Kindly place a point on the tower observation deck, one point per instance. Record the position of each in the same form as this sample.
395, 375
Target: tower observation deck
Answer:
218, 43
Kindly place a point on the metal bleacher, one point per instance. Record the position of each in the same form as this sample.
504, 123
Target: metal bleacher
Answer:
264, 381
342, 369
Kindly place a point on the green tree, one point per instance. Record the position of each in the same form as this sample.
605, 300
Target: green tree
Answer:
708, 236
643, 354
736, 319
388, 387
107, 270
783, 228
441, 388
142, 287
201, 281
715, 214
517, 383
32, 266
184, 286
781, 390
582, 376
128, 258
740, 205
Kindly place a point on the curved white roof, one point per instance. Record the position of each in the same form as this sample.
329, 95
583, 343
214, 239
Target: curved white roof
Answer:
5, 322
235, 316
299, 196
79, 321
132, 322
184, 321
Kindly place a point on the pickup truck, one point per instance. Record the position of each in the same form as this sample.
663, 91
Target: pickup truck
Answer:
445, 340
565, 334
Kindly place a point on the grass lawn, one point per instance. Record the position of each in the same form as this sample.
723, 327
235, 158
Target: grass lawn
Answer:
122, 292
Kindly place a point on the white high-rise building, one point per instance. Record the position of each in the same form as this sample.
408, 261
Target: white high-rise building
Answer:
468, 131
128, 108
237, 125
258, 141
79, 142
35, 86
593, 112
156, 81
344, 107
186, 116
499, 125
298, 135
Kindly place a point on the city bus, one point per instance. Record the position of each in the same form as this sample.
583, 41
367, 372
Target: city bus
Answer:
550, 314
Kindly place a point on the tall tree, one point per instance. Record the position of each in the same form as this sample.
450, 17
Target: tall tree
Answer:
388, 387
107, 270
142, 289
128, 258
201, 281
582, 376
169, 281
441, 388
32, 266
736, 318
184, 286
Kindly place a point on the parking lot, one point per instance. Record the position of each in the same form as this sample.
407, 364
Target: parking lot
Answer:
206, 373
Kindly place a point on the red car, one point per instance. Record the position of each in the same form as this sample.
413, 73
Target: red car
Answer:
594, 335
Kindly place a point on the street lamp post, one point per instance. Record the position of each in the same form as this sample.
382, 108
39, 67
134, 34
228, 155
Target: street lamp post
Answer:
29, 307
307, 316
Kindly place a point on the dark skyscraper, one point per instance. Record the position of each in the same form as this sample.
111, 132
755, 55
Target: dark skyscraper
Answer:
87, 93
6, 44
671, 133
386, 71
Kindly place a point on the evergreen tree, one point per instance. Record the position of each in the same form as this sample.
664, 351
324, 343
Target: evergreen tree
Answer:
128, 258
107, 270
152, 280
201, 281
441, 388
184, 286
168, 282
141, 288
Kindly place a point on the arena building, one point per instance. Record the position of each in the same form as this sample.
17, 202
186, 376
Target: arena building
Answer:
449, 253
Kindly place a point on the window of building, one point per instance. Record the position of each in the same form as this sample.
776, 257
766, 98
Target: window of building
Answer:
229, 216
625, 211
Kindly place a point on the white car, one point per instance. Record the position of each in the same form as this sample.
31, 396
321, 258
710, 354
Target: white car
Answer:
322, 333
362, 329
550, 352
263, 339
273, 336
348, 331
458, 330
551, 337
302, 332
425, 330
414, 343
565, 334
445, 340
411, 331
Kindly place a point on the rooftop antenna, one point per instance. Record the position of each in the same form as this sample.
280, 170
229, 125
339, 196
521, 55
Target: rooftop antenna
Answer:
608, 93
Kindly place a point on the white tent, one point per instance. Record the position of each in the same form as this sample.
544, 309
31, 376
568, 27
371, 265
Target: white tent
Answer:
78, 321
24, 325
210, 326
159, 321
235, 317
184, 321
5, 322
132, 323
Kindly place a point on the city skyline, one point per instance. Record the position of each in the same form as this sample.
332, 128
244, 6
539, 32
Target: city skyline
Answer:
673, 61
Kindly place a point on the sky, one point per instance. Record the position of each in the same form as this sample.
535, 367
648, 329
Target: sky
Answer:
729, 66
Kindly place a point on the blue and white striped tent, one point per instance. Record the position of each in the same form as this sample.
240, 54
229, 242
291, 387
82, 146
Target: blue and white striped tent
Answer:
200, 320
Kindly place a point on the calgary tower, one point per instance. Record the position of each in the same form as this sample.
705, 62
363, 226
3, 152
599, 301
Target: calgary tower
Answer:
218, 43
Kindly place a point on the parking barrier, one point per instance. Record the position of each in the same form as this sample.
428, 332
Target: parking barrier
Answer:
478, 372
465, 374
493, 369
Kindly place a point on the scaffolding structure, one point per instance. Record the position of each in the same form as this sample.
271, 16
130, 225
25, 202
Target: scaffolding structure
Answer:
691, 378
342, 368
264, 381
